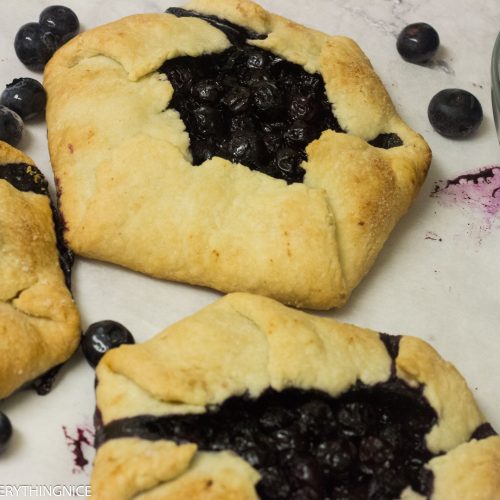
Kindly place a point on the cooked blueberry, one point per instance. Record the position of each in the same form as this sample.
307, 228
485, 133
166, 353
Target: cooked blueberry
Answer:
455, 113
273, 484
299, 133
201, 151
336, 455
237, 99
25, 96
302, 108
34, 45
206, 91
374, 453
418, 42
179, 75
242, 123
102, 336
288, 161
267, 99
353, 418
307, 472
5, 432
275, 418
11, 126
256, 59
306, 493
61, 21
246, 148
207, 121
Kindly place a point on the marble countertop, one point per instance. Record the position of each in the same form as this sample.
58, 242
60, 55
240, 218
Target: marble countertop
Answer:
437, 277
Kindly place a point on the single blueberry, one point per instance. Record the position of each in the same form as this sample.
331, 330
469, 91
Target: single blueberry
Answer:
25, 96
302, 108
207, 120
418, 42
5, 432
11, 126
299, 133
455, 113
267, 98
35, 45
102, 336
237, 99
61, 21
256, 59
206, 91
246, 148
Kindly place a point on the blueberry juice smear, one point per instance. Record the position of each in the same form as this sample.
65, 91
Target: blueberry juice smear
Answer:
368, 443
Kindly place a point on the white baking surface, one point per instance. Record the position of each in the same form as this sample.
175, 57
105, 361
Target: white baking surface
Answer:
446, 292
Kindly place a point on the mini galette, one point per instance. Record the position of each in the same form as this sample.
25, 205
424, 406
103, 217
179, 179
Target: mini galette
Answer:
39, 322
225, 146
250, 399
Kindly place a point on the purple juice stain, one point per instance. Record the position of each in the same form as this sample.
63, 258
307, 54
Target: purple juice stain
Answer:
84, 436
478, 190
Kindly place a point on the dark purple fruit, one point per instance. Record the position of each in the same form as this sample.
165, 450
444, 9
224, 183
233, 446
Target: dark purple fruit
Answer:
245, 148
61, 21
418, 42
455, 113
35, 45
11, 126
206, 91
5, 432
237, 99
102, 336
25, 96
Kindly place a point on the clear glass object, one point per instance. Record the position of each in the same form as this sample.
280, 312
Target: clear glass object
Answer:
495, 84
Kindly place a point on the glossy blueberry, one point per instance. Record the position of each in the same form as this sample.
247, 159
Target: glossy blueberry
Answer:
302, 108
35, 45
5, 432
267, 99
299, 133
288, 162
25, 96
455, 113
237, 99
246, 148
418, 42
207, 120
102, 336
61, 21
206, 91
256, 59
11, 126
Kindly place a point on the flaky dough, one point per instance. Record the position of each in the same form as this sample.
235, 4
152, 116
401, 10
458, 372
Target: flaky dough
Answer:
129, 194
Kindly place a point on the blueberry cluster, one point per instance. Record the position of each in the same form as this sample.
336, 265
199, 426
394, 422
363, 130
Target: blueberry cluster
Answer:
368, 443
35, 43
251, 107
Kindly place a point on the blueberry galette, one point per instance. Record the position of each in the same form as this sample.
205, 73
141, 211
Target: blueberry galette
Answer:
39, 323
250, 399
225, 146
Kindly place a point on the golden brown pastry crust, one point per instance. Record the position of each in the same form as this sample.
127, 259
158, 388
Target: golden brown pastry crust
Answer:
39, 322
130, 196
246, 344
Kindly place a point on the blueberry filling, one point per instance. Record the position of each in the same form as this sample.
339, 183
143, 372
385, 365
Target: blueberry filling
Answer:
367, 443
250, 106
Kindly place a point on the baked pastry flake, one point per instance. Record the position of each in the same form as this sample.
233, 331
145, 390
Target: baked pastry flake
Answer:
282, 203
250, 399
39, 322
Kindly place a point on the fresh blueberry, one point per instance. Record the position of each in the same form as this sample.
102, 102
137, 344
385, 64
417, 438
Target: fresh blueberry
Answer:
35, 45
5, 432
61, 21
418, 42
455, 113
25, 96
11, 126
102, 336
